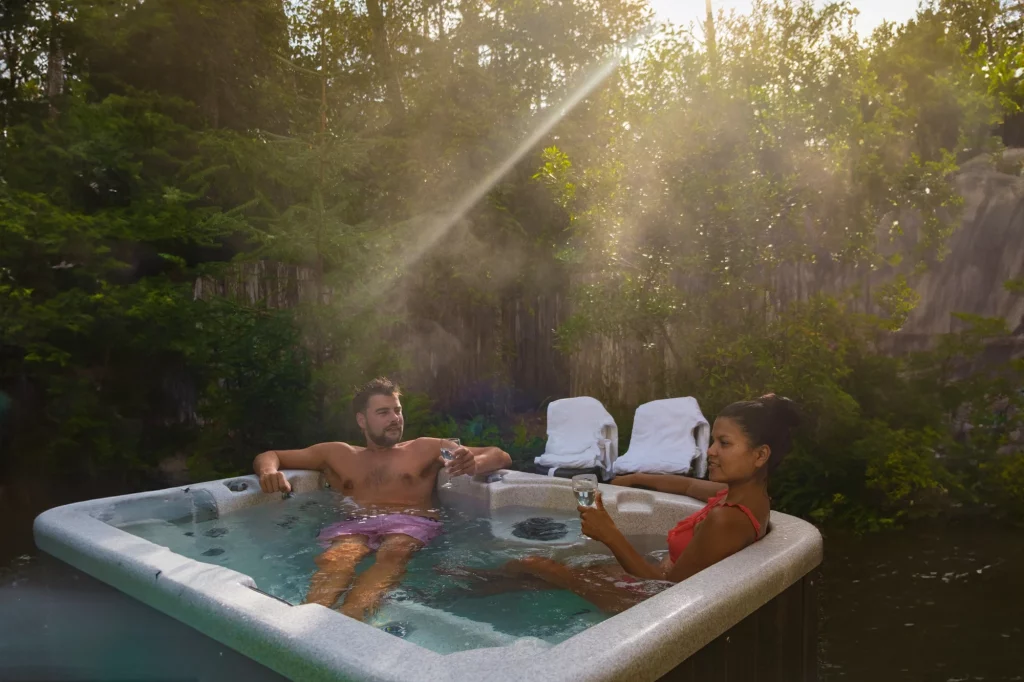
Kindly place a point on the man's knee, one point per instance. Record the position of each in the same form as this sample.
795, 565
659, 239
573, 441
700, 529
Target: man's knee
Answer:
397, 549
343, 552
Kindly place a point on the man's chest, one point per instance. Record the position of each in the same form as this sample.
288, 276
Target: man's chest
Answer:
380, 473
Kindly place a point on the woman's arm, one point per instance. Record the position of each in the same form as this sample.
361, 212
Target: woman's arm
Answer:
598, 524
670, 483
632, 561
725, 531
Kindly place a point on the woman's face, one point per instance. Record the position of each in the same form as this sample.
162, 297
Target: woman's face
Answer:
732, 457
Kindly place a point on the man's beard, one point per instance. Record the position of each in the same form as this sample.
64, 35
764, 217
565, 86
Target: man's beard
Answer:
385, 438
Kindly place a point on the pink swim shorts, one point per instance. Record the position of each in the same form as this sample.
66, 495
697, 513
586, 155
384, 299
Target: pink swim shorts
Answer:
375, 528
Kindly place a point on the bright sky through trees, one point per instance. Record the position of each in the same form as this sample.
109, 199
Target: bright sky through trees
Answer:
872, 12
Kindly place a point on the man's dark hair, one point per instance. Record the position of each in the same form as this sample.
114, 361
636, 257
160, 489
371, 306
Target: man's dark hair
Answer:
378, 386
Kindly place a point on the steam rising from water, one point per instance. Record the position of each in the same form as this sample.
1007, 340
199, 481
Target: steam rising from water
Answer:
435, 229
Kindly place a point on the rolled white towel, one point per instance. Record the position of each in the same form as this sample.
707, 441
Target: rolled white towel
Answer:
577, 428
670, 436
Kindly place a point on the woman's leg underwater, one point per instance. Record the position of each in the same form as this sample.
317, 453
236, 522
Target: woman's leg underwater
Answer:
595, 584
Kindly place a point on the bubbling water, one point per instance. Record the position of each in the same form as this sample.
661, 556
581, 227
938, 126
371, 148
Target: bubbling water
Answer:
437, 605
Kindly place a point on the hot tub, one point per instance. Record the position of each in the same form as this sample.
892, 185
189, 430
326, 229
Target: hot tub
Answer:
751, 616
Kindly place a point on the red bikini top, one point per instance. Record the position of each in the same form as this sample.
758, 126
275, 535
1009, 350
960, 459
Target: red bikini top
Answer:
680, 536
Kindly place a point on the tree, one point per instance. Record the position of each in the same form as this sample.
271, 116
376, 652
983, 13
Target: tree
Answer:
733, 239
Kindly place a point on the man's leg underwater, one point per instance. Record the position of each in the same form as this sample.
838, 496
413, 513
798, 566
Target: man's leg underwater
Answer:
387, 570
336, 565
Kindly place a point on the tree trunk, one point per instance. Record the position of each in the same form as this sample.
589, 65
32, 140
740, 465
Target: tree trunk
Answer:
12, 60
382, 55
709, 35
468, 49
54, 65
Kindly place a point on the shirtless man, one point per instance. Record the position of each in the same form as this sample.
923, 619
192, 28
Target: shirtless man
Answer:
393, 484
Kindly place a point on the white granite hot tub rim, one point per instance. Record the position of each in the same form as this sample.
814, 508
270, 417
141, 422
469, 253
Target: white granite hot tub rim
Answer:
302, 642
711, 601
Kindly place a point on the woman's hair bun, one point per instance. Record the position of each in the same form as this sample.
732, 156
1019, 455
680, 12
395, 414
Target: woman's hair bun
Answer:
768, 420
782, 409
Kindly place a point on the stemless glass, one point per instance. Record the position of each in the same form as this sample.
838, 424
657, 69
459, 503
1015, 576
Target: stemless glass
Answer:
584, 487
448, 448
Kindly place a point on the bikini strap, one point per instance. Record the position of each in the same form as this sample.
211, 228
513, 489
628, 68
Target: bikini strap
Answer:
750, 515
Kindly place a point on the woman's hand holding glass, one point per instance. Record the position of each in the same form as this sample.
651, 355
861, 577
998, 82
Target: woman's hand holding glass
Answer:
597, 523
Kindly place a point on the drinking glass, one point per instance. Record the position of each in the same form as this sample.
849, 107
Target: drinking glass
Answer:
448, 448
584, 487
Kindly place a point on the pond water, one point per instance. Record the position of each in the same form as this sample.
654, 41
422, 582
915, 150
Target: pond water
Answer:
940, 602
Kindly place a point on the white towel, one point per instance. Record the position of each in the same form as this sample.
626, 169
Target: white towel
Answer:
576, 440
669, 437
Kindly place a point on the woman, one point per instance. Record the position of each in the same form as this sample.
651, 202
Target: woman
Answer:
749, 440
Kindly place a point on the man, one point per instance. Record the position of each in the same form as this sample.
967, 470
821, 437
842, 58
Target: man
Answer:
393, 484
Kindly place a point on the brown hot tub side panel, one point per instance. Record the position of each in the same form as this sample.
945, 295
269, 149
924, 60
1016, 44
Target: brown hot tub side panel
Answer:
776, 643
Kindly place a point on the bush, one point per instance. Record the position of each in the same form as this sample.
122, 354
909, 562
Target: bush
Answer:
422, 420
878, 443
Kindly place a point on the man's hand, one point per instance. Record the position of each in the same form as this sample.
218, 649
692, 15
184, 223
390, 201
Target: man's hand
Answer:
597, 523
464, 462
274, 481
268, 465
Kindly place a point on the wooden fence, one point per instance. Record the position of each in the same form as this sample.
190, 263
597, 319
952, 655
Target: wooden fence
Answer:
504, 358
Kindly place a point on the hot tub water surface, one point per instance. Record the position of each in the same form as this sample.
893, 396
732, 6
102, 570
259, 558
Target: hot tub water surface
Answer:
234, 563
275, 544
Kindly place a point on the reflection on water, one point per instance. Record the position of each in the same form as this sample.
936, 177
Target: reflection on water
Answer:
943, 602
60, 625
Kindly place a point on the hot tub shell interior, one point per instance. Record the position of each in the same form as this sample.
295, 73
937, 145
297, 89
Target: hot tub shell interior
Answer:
763, 594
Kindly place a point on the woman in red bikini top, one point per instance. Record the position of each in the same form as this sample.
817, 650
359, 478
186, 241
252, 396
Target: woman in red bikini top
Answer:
749, 440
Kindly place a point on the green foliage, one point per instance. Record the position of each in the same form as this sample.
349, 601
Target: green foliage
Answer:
1015, 286
895, 301
185, 143
878, 445
257, 385
422, 420
1005, 480
150, 148
695, 237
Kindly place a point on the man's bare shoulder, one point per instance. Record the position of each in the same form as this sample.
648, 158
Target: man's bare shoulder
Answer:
335, 450
338, 446
340, 457
424, 446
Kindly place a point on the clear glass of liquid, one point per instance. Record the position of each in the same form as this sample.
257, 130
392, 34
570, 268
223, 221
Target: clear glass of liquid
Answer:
448, 448
584, 487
